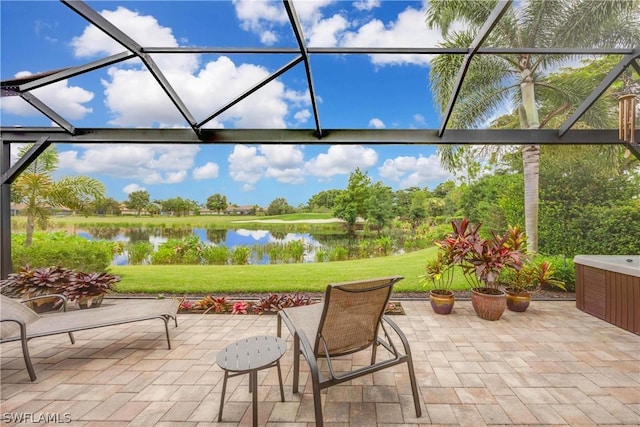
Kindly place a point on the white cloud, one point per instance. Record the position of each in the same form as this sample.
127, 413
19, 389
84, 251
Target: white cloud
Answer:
326, 32
298, 98
175, 177
366, 4
309, 11
376, 123
260, 17
419, 118
68, 101
208, 171
212, 87
342, 28
283, 156
286, 176
150, 163
302, 116
132, 187
341, 160
245, 165
409, 30
414, 171
204, 87
143, 29
281, 162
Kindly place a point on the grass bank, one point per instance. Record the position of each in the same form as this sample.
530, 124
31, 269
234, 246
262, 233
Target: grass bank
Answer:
197, 221
280, 278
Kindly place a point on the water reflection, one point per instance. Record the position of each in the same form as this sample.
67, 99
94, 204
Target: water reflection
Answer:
228, 238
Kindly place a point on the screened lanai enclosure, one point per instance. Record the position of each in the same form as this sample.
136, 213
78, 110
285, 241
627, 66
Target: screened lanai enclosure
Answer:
301, 51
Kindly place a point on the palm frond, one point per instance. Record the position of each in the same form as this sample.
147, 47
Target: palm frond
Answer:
76, 192
444, 13
46, 163
598, 24
538, 20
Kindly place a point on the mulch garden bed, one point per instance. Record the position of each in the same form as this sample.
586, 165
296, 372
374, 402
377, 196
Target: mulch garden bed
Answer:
395, 306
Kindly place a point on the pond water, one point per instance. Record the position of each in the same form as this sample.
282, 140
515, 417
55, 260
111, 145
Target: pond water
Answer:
228, 238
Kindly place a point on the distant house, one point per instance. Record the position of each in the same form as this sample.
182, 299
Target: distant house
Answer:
205, 211
18, 209
124, 210
242, 210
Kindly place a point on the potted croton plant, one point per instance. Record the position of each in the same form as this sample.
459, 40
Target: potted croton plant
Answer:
482, 261
533, 276
438, 278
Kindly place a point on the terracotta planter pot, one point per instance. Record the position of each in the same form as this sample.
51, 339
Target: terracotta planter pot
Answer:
441, 301
90, 302
44, 305
489, 303
518, 301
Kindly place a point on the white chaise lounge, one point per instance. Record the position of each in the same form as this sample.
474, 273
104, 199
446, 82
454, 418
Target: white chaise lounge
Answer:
19, 323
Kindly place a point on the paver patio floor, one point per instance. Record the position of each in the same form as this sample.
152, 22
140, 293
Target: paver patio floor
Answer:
552, 365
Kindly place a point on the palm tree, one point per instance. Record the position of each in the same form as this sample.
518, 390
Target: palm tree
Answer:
520, 80
36, 188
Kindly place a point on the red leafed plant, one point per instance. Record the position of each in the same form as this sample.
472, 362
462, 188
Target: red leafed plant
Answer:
272, 303
57, 280
482, 260
89, 284
218, 305
240, 307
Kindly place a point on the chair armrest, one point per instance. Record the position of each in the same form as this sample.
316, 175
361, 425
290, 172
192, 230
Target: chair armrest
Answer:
397, 331
21, 324
58, 296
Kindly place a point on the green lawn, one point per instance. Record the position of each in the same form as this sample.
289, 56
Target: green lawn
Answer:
280, 278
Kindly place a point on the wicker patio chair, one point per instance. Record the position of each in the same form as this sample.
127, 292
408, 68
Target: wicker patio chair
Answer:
350, 320
20, 323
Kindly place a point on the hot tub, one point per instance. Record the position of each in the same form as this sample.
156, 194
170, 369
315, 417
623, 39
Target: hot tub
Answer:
608, 287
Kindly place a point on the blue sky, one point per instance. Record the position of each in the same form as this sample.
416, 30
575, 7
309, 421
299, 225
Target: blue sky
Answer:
357, 91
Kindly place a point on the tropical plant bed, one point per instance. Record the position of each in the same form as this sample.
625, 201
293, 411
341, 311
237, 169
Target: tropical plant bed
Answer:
245, 303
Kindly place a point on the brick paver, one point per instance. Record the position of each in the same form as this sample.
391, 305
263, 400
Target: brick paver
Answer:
552, 365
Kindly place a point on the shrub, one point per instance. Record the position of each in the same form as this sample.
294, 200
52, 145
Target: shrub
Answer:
295, 250
339, 253
565, 270
179, 251
437, 232
217, 255
383, 246
321, 255
139, 252
240, 255
73, 252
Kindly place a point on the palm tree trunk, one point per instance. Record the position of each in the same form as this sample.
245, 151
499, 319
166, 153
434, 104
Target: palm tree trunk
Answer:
530, 159
29, 229
531, 164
